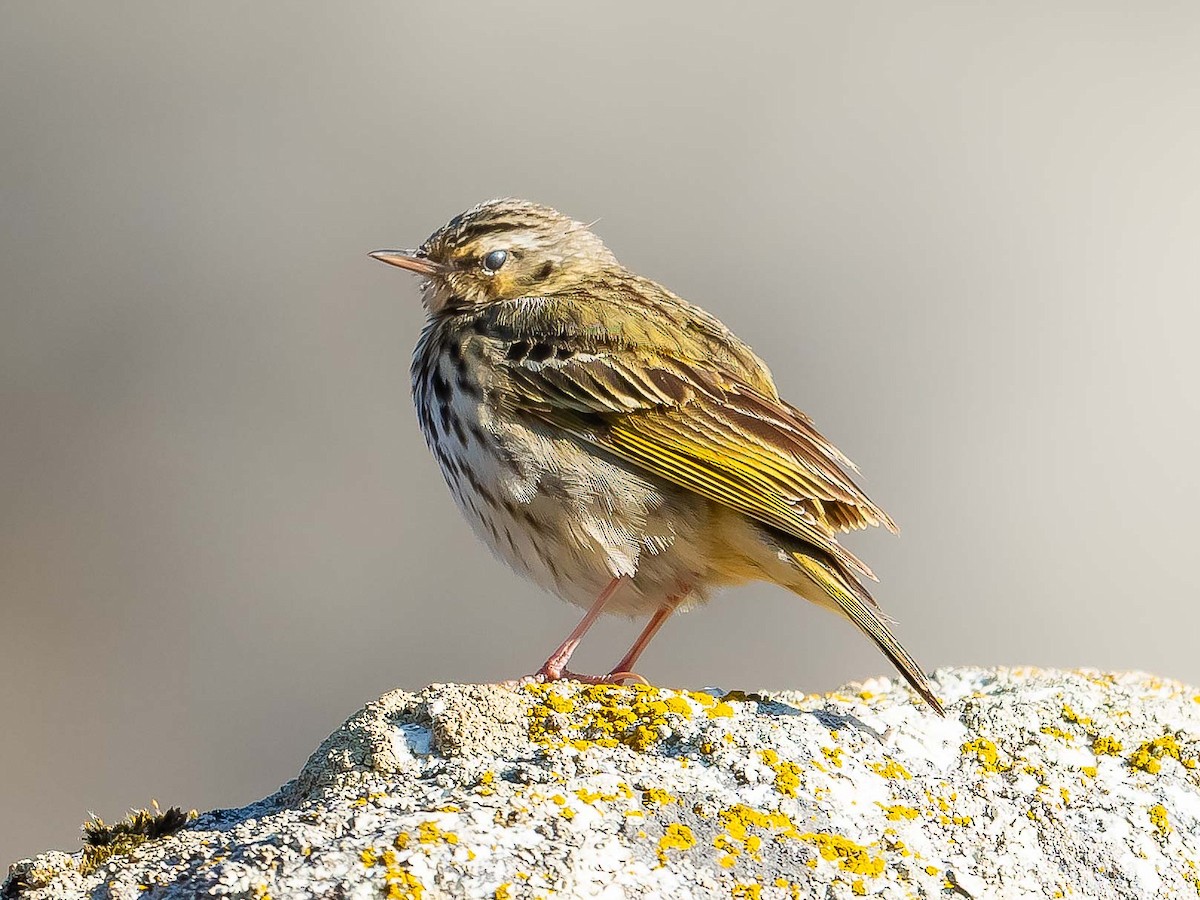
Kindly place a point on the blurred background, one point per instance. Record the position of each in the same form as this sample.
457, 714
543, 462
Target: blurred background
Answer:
965, 237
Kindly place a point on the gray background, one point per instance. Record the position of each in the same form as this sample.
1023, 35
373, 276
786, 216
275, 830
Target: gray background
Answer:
964, 236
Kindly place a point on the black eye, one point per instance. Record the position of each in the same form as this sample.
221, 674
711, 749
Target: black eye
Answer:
494, 260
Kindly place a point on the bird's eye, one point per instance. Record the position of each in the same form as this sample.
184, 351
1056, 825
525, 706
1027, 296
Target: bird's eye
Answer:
494, 260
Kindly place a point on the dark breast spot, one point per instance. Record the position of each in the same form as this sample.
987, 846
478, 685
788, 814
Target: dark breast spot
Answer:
458, 430
518, 350
441, 387
443, 457
467, 386
534, 523
540, 352
425, 415
479, 434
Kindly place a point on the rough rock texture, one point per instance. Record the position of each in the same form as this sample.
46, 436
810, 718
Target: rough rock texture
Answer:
1038, 784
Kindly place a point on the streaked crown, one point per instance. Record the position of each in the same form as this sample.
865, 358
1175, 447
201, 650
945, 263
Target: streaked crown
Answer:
500, 250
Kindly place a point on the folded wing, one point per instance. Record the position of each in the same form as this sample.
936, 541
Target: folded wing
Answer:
688, 424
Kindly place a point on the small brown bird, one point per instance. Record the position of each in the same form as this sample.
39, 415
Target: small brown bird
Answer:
617, 445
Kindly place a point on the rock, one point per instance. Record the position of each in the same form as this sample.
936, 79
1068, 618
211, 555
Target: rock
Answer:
1038, 784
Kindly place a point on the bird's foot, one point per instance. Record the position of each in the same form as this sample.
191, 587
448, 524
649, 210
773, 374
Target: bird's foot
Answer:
553, 673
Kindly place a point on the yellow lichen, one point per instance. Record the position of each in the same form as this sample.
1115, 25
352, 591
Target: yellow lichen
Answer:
1074, 718
676, 837
1089, 771
833, 754
746, 891
657, 797
1191, 876
400, 882
890, 769
1055, 731
504, 891
787, 774
931, 870
1106, 745
898, 813
603, 715
1158, 818
679, 706
1146, 757
721, 710
485, 781
987, 754
623, 792
371, 797
858, 888
849, 856
739, 822
430, 833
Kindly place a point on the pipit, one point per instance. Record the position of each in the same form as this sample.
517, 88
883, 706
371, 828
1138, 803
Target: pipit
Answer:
617, 445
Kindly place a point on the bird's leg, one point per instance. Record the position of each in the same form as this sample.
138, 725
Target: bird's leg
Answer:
556, 666
624, 669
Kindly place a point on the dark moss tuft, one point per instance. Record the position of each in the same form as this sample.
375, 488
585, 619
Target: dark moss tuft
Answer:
102, 841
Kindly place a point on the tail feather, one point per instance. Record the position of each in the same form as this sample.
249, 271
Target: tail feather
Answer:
854, 601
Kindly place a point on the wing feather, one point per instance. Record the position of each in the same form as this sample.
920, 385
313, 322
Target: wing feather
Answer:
707, 433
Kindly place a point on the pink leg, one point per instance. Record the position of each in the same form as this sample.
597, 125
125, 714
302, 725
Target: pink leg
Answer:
556, 666
625, 667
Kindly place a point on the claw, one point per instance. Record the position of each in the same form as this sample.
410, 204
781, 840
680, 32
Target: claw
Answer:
620, 677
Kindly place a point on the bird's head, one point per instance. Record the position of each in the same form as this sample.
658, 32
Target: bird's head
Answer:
501, 250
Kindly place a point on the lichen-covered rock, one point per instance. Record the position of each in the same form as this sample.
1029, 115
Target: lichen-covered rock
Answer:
1038, 784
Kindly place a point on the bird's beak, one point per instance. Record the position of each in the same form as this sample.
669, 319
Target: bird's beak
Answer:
409, 259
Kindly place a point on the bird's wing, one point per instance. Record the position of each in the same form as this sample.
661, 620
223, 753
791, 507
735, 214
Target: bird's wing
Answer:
688, 424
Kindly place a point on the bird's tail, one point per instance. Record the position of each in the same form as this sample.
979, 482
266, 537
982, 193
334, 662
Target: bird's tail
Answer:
851, 599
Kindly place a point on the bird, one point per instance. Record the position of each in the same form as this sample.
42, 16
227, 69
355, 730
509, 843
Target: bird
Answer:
617, 445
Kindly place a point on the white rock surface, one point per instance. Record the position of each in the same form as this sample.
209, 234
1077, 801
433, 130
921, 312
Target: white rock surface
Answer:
1038, 784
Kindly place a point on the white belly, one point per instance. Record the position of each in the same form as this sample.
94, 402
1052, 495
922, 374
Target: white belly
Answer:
567, 519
